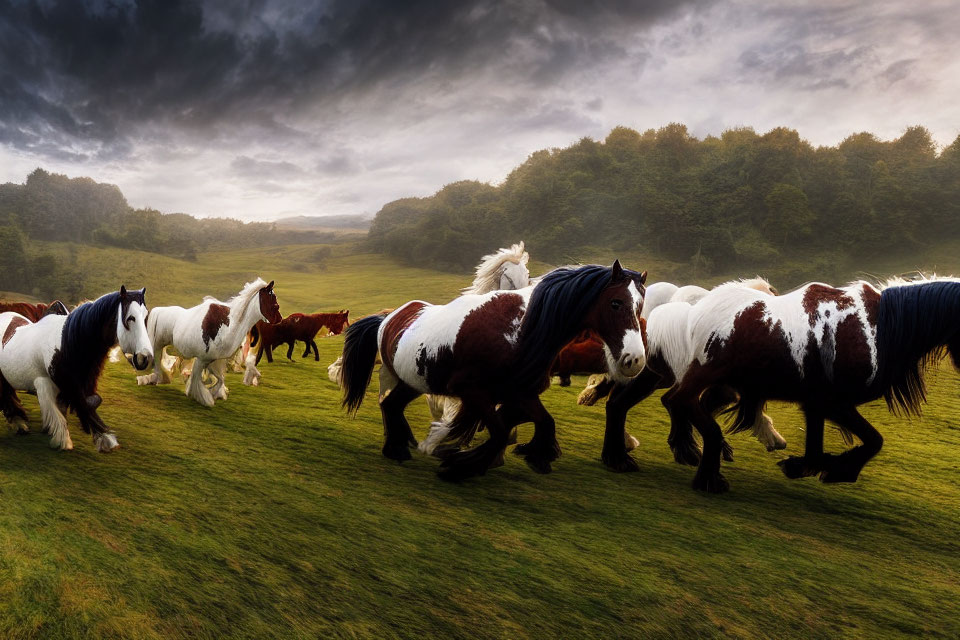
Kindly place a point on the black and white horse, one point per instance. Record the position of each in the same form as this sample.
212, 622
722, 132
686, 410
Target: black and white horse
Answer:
61, 357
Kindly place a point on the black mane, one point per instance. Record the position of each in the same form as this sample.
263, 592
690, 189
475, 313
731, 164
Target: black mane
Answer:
916, 325
554, 317
88, 334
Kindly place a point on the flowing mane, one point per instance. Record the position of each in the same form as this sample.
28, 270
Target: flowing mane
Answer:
916, 326
238, 303
553, 317
488, 271
89, 332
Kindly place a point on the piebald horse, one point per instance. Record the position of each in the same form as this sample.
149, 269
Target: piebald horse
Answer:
492, 349
826, 349
665, 311
211, 332
60, 357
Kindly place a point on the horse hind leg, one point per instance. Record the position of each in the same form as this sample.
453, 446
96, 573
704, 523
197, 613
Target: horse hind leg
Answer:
395, 395
316, 352
54, 422
847, 466
476, 461
12, 408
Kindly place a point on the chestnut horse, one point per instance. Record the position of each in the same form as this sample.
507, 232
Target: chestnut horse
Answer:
492, 349
296, 326
33, 312
826, 349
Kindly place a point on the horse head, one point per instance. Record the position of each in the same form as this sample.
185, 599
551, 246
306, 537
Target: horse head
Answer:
132, 328
55, 308
615, 319
514, 275
269, 307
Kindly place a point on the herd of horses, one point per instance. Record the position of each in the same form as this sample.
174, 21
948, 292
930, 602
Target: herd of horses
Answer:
484, 359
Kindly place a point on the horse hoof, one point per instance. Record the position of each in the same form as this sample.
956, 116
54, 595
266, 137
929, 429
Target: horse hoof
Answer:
456, 472
400, 453
539, 465
620, 463
711, 484
796, 467
839, 475
522, 449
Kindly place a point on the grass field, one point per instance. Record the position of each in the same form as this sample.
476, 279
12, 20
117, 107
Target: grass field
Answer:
272, 515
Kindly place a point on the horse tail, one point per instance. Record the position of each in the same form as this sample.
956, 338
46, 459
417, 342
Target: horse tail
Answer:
462, 429
254, 336
359, 357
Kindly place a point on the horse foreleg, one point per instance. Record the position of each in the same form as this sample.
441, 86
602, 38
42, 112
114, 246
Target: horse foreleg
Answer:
103, 437
623, 398
543, 448
316, 352
195, 388
812, 461
290, 346
219, 370
54, 422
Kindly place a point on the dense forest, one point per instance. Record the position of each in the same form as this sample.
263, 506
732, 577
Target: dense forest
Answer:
53, 207
739, 201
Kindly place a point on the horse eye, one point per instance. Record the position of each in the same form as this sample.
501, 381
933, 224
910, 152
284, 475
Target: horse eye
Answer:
616, 304
130, 319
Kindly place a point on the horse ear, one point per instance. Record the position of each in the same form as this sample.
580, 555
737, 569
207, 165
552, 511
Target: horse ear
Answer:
617, 271
123, 291
143, 291
270, 286
643, 278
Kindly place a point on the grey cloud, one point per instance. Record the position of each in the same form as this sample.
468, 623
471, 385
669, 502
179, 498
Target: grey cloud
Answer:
247, 167
89, 73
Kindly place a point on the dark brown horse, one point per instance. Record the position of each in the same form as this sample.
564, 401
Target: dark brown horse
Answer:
492, 349
33, 312
297, 326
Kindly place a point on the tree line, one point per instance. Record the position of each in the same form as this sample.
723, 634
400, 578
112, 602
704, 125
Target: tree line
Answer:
53, 207
738, 201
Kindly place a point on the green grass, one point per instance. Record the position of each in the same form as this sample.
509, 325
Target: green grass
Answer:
272, 515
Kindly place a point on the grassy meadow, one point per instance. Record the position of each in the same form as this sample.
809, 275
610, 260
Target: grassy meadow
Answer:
272, 515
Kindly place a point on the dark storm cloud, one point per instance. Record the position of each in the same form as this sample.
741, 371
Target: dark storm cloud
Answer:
81, 77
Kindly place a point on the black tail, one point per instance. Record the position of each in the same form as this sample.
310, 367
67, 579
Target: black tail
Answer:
254, 336
359, 357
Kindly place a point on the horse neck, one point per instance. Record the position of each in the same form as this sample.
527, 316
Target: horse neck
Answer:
244, 314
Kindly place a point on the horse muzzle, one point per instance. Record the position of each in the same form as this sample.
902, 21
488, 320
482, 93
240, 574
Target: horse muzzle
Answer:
631, 364
141, 361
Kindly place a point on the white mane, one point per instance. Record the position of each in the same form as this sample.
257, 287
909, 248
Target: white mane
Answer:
757, 283
919, 278
490, 267
242, 299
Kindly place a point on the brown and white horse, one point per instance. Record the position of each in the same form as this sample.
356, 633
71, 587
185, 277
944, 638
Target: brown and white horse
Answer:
826, 349
492, 349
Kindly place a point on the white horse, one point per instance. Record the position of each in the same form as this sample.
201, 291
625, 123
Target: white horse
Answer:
211, 332
61, 357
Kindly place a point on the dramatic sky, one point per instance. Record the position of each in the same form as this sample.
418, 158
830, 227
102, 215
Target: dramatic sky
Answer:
259, 109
